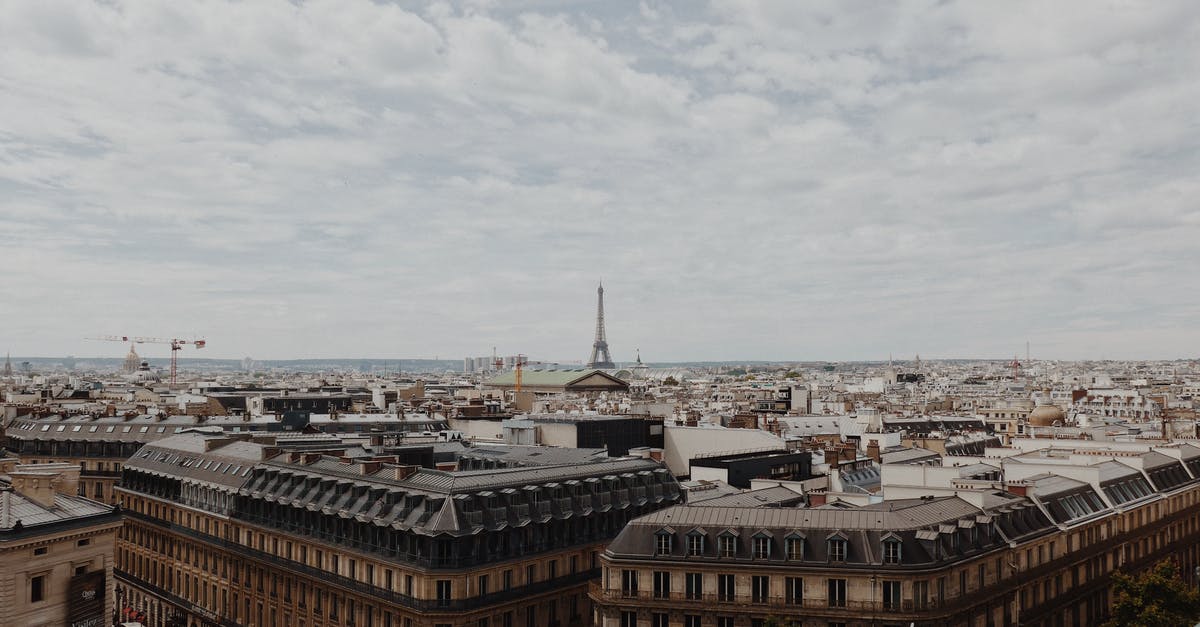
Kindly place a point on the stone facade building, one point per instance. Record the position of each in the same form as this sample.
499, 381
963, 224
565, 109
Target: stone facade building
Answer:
225, 531
56, 549
1034, 550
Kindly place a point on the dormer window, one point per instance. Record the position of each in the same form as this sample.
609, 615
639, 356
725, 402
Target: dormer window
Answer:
837, 549
794, 544
662, 542
891, 550
762, 547
727, 545
695, 543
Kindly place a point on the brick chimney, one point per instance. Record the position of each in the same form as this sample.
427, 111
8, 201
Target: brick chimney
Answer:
873, 451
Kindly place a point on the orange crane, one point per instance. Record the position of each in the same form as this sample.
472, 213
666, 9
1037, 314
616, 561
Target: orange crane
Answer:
176, 346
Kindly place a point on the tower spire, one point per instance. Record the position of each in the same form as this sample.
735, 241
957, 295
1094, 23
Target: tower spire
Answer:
600, 357
7, 365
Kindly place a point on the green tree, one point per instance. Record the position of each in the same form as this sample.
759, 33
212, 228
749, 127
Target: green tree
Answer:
1155, 598
792, 374
670, 381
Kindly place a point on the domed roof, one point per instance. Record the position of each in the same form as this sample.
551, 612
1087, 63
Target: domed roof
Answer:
1046, 416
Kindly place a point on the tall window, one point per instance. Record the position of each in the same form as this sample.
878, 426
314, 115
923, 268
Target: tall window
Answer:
921, 594
891, 595
695, 544
37, 588
760, 588
793, 590
662, 584
443, 592
692, 620
660, 620
837, 550
762, 547
662, 544
628, 619
629, 583
725, 589
837, 593
891, 552
694, 585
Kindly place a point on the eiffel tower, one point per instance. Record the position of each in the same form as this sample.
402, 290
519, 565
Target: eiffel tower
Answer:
600, 357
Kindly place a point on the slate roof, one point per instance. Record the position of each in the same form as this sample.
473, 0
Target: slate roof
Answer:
67, 507
777, 496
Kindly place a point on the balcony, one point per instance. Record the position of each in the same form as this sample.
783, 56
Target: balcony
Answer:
686, 600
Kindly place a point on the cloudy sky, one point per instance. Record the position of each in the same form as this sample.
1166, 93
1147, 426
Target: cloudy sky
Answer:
751, 180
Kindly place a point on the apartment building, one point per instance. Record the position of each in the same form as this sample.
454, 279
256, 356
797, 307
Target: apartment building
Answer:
227, 531
56, 549
982, 550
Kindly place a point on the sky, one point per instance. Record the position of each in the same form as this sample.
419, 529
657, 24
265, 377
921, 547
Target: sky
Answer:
751, 180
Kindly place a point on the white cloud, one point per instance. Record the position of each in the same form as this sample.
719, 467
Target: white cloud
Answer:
756, 179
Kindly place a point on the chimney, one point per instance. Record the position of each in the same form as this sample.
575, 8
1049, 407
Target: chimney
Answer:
40, 482
1019, 488
873, 451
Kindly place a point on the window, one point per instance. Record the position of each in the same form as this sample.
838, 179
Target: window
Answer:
443, 592
662, 584
41, 550
762, 547
37, 588
837, 550
725, 589
891, 595
483, 585
727, 546
695, 544
837, 593
694, 585
725, 621
795, 548
891, 551
629, 583
691, 620
628, 619
921, 594
83, 542
660, 620
760, 588
793, 590
662, 543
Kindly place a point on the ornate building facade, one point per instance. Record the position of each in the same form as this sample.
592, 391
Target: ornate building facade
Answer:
225, 531
1039, 550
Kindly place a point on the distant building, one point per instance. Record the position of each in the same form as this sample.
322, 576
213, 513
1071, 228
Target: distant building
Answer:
560, 381
738, 469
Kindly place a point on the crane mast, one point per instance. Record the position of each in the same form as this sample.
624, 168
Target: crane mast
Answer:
175, 344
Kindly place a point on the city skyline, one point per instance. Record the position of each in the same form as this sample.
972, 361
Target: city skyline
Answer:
759, 180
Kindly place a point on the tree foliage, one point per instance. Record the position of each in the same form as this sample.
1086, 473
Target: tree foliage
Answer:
670, 381
1156, 598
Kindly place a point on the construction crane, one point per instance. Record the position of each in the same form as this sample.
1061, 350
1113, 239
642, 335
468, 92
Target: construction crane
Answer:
176, 346
520, 362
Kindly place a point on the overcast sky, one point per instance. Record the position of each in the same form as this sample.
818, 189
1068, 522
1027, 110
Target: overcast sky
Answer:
751, 180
